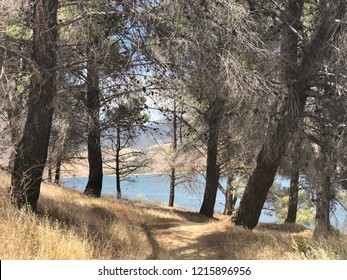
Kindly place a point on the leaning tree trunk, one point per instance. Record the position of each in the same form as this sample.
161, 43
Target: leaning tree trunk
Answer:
94, 184
274, 149
212, 169
31, 151
263, 176
293, 197
298, 81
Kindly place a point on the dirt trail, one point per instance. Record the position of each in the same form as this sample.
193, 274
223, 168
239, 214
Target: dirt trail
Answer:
186, 239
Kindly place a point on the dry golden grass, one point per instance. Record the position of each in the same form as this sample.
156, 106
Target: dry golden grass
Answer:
72, 226
276, 242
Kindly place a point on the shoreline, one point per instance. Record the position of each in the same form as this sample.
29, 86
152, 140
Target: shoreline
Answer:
109, 175
135, 174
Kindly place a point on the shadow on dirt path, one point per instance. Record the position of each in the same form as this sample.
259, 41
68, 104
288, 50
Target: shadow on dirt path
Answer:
185, 239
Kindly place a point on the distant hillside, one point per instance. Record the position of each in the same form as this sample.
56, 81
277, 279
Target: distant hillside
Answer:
157, 162
156, 132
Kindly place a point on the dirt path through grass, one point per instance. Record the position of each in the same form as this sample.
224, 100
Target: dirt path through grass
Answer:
186, 239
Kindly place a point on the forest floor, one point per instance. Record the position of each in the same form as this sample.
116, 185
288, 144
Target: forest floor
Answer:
73, 226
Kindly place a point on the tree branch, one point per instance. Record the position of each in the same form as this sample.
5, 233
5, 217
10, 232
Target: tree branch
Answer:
86, 15
35, 69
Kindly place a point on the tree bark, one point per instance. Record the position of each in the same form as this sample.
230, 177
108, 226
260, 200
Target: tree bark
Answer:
323, 192
294, 181
118, 148
173, 164
212, 169
172, 187
293, 197
322, 222
31, 151
94, 184
57, 171
230, 199
50, 177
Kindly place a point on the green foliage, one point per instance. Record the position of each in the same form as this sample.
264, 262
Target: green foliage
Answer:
279, 199
309, 15
341, 196
18, 32
305, 216
237, 188
22, 83
141, 198
129, 113
301, 246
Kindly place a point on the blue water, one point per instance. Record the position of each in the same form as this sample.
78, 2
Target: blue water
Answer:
155, 188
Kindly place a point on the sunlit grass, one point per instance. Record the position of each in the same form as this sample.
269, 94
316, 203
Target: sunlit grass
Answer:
276, 242
72, 226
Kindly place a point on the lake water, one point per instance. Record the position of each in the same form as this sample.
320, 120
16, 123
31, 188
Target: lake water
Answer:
155, 188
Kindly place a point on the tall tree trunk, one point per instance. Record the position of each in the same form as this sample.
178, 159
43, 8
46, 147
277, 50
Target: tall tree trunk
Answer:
118, 148
31, 151
230, 199
293, 197
323, 192
294, 181
50, 177
173, 164
94, 184
57, 171
14, 116
181, 128
298, 80
172, 186
212, 169
322, 222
